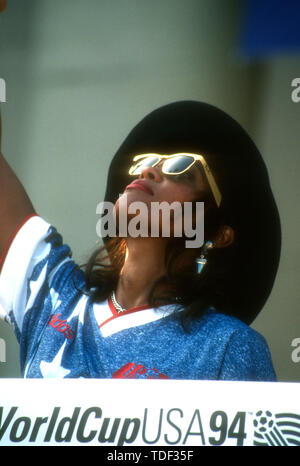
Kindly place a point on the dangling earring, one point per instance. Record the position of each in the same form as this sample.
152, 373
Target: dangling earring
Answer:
202, 261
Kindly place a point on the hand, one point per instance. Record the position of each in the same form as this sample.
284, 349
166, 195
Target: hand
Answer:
2, 5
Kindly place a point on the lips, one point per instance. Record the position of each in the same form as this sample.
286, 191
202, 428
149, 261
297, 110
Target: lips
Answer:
142, 185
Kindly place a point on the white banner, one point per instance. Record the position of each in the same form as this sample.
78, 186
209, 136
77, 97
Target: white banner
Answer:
149, 413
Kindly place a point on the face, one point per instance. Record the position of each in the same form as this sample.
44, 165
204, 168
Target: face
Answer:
153, 186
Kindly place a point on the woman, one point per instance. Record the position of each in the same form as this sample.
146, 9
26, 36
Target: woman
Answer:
153, 308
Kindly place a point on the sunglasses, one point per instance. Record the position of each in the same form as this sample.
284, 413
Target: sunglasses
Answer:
175, 164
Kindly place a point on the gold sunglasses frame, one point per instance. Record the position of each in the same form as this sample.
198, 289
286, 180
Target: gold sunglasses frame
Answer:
210, 178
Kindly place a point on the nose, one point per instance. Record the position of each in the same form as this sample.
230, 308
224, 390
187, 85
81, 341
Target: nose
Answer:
152, 173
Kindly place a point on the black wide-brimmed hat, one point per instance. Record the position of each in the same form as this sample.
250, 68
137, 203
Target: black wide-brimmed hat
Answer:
242, 177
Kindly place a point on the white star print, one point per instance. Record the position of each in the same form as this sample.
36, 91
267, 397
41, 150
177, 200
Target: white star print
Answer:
55, 299
54, 368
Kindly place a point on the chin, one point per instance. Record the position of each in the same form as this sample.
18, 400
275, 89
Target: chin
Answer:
126, 200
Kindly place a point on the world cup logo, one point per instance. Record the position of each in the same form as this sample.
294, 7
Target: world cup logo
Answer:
281, 429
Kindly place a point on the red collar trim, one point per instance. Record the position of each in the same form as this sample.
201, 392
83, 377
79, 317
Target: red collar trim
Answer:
128, 311
116, 314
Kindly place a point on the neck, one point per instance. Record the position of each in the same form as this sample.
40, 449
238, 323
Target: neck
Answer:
144, 264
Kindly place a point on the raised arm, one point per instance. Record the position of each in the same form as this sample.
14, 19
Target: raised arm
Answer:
15, 205
2, 5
